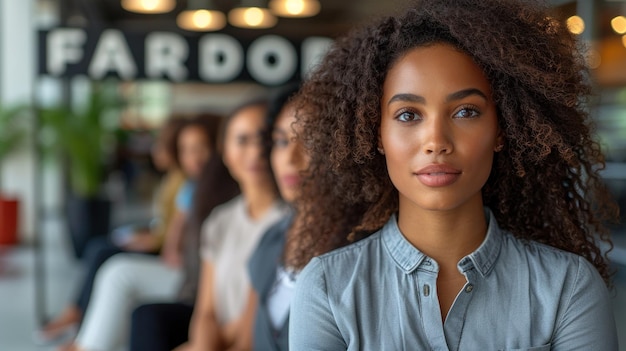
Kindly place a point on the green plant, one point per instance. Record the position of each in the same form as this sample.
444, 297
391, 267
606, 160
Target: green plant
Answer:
14, 126
82, 135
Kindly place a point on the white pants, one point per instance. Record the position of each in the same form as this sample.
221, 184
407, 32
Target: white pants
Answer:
124, 282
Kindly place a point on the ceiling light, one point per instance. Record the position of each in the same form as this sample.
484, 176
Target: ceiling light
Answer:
201, 20
295, 8
576, 25
619, 24
252, 15
201, 16
149, 6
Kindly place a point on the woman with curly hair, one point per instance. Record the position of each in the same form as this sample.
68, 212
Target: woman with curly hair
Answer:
453, 144
274, 283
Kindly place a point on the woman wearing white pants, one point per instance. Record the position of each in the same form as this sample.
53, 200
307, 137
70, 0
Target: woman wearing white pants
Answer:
123, 281
126, 280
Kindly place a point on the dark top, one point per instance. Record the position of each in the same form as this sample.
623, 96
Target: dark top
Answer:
262, 268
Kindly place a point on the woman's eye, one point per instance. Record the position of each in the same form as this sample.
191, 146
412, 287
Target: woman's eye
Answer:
243, 140
281, 142
467, 113
408, 116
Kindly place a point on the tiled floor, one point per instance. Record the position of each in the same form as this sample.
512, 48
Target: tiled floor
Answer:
18, 317
18, 314
17, 291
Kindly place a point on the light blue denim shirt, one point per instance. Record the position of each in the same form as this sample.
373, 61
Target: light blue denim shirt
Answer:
381, 294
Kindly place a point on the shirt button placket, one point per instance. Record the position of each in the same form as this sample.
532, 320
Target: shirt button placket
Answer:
431, 320
456, 317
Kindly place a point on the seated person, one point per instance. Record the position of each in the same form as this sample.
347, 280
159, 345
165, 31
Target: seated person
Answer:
141, 239
128, 278
220, 317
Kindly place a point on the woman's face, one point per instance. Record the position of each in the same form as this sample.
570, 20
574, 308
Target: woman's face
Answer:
438, 129
194, 150
243, 149
288, 157
161, 156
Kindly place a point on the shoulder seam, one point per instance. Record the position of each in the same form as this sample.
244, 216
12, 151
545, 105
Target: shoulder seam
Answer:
350, 247
545, 247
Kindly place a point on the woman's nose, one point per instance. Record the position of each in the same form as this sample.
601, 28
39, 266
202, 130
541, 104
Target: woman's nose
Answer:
437, 136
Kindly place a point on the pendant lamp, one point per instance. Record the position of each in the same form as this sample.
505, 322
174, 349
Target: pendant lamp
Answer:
618, 23
201, 16
149, 6
295, 8
252, 14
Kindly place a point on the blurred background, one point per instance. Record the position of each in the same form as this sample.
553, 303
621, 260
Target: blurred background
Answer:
101, 76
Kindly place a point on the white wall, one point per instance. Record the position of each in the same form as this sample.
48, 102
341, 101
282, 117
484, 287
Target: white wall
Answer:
17, 73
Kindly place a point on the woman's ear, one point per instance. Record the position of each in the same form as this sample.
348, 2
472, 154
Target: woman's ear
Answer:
380, 144
500, 139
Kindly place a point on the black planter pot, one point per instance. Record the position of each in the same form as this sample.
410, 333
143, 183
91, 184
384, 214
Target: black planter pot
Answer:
87, 218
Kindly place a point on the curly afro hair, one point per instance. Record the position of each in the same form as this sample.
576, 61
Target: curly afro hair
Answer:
544, 185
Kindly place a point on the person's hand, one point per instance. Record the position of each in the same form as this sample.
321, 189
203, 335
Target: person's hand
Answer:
238, 348
72, 346
188, 346
183, 347
171, 256
143, 241
241, 343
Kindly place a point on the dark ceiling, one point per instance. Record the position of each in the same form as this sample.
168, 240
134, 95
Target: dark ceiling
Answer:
335, 18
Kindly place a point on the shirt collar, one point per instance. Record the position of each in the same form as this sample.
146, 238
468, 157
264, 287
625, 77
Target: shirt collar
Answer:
485, 257
409, 258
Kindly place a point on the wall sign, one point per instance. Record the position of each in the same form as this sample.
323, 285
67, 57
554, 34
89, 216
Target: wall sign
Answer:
211, 58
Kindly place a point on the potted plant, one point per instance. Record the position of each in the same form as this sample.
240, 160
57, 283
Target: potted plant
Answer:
81, 136
14, 122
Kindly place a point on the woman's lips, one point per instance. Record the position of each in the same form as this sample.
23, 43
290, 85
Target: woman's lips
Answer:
438, 175
256, 168
290, 180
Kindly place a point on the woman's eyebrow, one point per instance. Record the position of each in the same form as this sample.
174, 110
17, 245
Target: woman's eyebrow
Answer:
465, 93
461, 94
407, 98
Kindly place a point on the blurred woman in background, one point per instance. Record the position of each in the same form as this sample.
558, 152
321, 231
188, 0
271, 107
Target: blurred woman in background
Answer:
219, 319
131, 238
127, 279
274, 280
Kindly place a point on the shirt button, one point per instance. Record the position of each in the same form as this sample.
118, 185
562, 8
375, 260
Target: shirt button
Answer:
426, 290
469, 288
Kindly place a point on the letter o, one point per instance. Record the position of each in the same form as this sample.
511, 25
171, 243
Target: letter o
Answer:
212, 47
262, 69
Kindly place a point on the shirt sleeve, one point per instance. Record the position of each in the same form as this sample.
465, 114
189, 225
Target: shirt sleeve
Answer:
588, 322
209, 245
312, 325
184, 197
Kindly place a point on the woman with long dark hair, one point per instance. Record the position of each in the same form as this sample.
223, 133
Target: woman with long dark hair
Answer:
218, 318
273, 280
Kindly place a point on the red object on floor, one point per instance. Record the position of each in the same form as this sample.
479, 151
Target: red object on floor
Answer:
8, 220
